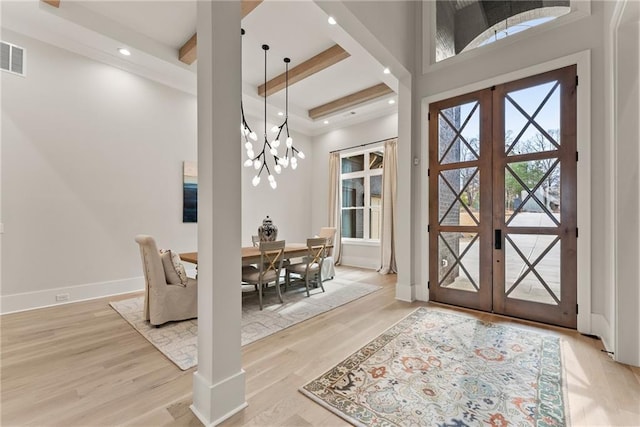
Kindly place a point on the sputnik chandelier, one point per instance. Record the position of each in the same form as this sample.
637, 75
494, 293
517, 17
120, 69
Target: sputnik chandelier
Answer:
270, 149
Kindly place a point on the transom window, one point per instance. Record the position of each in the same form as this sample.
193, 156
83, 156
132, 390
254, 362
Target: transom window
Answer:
462, 25
361, 182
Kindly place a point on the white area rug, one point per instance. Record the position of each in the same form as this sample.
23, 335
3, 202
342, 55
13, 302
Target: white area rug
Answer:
178, 340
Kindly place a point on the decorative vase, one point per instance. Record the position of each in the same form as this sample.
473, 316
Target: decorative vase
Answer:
267, 231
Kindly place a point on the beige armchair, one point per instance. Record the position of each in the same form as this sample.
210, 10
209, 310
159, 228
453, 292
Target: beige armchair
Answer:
164, 302
328, 266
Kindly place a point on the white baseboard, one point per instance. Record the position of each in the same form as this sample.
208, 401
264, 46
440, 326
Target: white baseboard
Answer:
422, 292
362, 262
405, 292
46, 298
601, 328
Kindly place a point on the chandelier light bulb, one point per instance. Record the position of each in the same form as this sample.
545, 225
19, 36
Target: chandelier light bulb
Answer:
289, 142
251, 154
285, 162
248, 146
278, 168
256, 164
294, 163
271, 178
301, 154
273, 151
255, 181
253, 136
273, 184
275, 129
248, 163
276, 143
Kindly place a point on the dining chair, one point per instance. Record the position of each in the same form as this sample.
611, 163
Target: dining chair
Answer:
165, 298
268, 270
328, 267
311, 266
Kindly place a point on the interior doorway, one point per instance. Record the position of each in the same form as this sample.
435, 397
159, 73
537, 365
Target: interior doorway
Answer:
502, 214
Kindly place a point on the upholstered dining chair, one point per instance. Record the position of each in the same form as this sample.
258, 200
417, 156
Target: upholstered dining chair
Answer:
166, 297
311, 266
328, 266
268, 270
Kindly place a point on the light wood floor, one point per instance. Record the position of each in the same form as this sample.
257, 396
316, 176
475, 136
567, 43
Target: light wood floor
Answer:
82, 365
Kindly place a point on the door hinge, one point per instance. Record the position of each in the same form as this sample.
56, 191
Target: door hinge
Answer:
428, 284
429, 228
576, 308
576, 232
428, 172
576, 80
428, 116
576, 156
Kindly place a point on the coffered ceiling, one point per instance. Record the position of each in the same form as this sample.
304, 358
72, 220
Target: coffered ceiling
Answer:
334, 78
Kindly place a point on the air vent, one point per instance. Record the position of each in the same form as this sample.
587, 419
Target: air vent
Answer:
12, 58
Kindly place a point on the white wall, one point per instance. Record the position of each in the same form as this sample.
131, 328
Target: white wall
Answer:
627, 132
393, 25
359, 255
91, 156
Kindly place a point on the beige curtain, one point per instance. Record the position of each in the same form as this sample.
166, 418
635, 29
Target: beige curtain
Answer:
389, 197
335, 205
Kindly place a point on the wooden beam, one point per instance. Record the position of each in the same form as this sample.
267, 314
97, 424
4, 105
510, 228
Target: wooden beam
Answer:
54, 3
309, 67
189, 51
349, 101
247, 6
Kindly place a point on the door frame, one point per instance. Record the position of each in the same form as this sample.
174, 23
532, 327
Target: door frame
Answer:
583, 123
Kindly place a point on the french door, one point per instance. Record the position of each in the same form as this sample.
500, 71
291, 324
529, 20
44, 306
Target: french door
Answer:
502, 211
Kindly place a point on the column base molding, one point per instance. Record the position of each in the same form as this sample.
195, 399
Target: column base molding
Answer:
214, 403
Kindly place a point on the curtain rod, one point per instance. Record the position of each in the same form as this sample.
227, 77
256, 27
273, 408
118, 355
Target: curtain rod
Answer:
362, 145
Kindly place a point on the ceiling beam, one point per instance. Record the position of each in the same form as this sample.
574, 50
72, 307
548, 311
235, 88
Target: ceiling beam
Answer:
54, 3
247, 6
349, 101
189, 51
309, 67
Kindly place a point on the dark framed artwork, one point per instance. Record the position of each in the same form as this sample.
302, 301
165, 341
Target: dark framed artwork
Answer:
189, 191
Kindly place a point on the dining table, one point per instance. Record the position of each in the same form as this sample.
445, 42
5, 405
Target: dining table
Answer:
251, 254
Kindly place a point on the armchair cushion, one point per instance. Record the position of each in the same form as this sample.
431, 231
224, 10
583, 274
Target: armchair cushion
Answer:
173, 269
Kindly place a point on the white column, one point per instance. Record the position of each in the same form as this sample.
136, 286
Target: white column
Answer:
405, 285
219, 382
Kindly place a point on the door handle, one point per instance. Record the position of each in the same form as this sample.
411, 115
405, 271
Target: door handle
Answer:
497, 239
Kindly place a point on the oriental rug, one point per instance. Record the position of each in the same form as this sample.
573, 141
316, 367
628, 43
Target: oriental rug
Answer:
178, 340
441, 369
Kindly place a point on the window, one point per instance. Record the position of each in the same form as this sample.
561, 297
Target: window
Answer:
361, 181
462, 25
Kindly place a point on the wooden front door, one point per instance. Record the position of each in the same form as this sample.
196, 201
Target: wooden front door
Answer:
502, 211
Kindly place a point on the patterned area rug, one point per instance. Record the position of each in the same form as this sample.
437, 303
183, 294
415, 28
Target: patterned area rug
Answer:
441, 369
178, 340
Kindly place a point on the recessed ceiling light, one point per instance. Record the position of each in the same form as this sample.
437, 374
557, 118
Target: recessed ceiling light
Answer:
332, 20
392, 101
387, 71
124, 51
326, 122
280, 113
